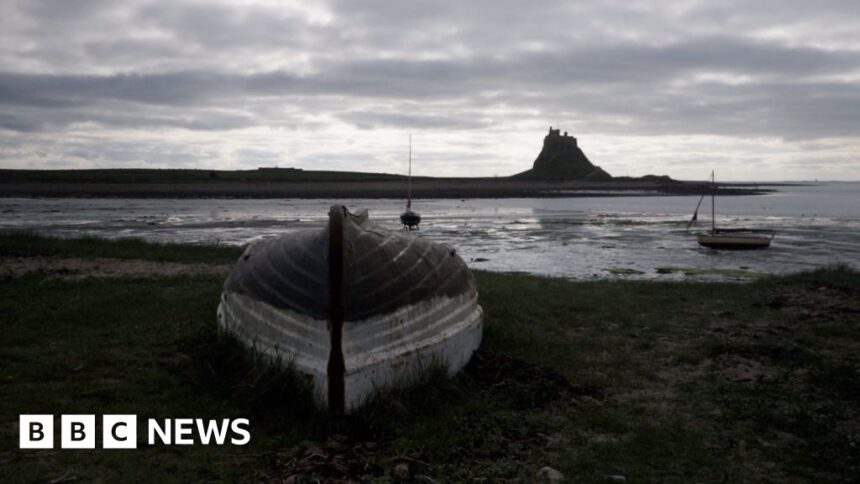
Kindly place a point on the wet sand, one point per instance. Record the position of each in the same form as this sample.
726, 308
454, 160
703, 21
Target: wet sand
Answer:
583, 238
392, 189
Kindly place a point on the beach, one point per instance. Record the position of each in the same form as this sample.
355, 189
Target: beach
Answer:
597, 380
582, 238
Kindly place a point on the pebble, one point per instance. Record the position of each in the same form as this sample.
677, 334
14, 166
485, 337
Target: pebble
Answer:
548, 474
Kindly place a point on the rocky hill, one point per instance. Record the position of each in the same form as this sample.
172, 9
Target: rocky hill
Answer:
561, 159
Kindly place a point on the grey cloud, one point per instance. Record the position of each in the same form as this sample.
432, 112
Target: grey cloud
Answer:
618, 80
129, 51
112, 116
375, 119
130, 153
614, 64
257, 155
218, 26
12, 122
64, 11
615, 67
170, 89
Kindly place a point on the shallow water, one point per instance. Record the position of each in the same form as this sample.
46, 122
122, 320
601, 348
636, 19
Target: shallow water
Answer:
577, 238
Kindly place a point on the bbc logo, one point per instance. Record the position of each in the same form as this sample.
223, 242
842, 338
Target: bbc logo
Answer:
120, 431
78, 431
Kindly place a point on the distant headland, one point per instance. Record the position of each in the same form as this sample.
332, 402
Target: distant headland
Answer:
561, 169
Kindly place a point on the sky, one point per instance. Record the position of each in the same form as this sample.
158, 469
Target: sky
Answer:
763, 90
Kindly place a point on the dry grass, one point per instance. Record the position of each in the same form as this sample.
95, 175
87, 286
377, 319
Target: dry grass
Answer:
655, 382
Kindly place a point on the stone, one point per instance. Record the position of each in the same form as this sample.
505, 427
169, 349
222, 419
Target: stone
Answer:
548, 474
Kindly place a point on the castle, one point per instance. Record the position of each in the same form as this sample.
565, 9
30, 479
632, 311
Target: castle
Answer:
561, 159
556, 133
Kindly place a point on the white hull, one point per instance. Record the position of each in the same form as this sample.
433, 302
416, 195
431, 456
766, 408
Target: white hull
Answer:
354, 306
379, 352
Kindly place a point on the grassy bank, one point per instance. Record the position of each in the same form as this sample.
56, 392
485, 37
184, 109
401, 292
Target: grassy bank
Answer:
651, 381
30, 244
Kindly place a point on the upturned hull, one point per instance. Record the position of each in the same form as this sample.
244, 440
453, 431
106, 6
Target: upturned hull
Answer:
388, 309
389, 350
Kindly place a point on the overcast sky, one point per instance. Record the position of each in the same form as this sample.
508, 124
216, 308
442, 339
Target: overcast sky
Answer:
764, 90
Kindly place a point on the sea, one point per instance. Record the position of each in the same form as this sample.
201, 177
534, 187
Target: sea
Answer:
618, 237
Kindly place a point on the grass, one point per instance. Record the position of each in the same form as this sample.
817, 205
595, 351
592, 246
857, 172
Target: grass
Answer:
695, 271
653, 381
29, 244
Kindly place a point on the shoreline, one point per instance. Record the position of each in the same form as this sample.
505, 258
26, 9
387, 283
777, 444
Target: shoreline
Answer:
373, 189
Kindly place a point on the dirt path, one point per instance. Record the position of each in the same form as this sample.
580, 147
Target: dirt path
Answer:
75, 267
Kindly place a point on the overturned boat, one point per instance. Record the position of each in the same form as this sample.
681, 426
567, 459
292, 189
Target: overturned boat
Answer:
354, 306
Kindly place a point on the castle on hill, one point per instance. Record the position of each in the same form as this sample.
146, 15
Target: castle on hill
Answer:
562, 159
554, 134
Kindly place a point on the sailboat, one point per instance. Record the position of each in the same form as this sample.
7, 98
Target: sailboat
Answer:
729, 239
409, 218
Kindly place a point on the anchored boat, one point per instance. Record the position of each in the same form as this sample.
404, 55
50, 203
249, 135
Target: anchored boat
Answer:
354, 306
410, 219
735, 239
729, 239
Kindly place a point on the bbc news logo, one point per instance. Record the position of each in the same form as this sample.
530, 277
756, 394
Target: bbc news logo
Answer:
120, 431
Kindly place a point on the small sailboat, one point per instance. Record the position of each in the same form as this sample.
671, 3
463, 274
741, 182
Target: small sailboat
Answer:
729, 239
353, 306
409, 218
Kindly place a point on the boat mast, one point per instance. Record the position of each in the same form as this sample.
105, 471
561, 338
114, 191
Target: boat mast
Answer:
409, 189
713, 215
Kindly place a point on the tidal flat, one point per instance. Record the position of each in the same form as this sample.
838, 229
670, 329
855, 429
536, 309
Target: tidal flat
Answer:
586, 238
649, 381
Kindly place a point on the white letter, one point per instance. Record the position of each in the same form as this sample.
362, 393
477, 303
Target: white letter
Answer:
119, 431
183, 427
237, 429
211, 429
164, 433
36, 431
78, 432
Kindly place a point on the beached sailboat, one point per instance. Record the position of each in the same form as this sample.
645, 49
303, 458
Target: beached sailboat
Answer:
409, 218
729, 239
354, 306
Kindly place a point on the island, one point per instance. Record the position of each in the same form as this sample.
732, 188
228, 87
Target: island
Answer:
561, 169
